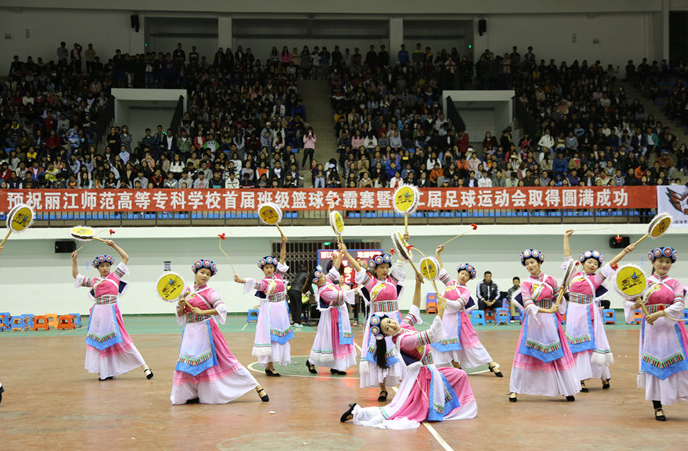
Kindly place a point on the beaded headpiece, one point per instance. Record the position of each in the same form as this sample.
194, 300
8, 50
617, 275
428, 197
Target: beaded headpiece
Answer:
375, 329
317, 273
666, 251
103, 259
209, 264
468, 268
380, 259
532, 253
267, 261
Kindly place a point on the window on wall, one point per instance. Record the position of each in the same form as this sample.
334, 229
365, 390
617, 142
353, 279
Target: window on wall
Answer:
300, 253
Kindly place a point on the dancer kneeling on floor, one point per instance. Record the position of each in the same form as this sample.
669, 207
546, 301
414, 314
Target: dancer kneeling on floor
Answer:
206, 370
333, 346
426, 393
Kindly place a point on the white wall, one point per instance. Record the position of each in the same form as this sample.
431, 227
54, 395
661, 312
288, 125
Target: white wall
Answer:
626, 29
33, 279
622, 36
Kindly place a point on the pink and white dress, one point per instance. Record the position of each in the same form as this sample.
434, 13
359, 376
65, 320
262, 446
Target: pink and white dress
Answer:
543, 364
273, 329
427, 393
109, 349
382, 297
206, 369
461, 344
584, 326
333, 346
663, 345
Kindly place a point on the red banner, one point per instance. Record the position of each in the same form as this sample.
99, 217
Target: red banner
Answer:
154, 200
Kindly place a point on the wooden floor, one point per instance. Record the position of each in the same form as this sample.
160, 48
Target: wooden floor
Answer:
51, 402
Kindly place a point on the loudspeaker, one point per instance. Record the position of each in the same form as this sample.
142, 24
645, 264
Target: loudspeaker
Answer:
65, 246
135, 22
482, 26
619, 242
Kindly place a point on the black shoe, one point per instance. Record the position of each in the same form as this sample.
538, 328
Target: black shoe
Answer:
571, 398
659, 415
383, 396
605, 384
495, 369
311, 367
337, 372
513, 397
101, 379
2, 390
272, 373
348, 414
264, 397
584, 389
148, 373
193, 401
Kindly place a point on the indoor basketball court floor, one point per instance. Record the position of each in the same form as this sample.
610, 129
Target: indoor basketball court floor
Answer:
52, 403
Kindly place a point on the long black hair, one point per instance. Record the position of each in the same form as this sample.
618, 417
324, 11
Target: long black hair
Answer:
381, 354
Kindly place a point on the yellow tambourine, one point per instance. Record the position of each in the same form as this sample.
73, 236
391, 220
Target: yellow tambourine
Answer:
659, 225
337, 222
630, 281
270, 213
170, 287
406, 199
84, 233
20, 218
571, 269
400, 245
430, 268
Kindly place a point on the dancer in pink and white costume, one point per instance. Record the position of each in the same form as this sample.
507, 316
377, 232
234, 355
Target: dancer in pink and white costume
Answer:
206, 370
382, 293
543, 364
2, 389
333, 346
273, 329
427, 393
462, 347
664, 342
584, 326
109, 349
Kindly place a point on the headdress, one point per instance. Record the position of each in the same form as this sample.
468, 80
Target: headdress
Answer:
532, 253
103, 259
209, 264
666, 251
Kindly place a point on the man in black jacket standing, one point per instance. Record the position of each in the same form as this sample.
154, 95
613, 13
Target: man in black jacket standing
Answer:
487, 293
294, 293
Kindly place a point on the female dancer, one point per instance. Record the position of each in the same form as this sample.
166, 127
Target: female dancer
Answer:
2, 389
109, 349
206, 370
381, 292
273, 330
462, 345
584, 326
543, 364
663, 360
334, 342
426, 393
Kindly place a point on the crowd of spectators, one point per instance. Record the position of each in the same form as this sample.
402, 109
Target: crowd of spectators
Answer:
391, 130
246, 127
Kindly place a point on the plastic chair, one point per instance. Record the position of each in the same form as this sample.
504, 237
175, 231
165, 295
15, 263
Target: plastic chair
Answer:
431, 303
489, 315
77, 319
5, 318
65, 322
609, 316
252, 315
28, 321
684, 317
17, 324
502, 316
637, 317
40, 322
52, 319
477, 317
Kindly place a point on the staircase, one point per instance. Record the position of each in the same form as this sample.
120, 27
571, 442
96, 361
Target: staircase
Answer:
319, 115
